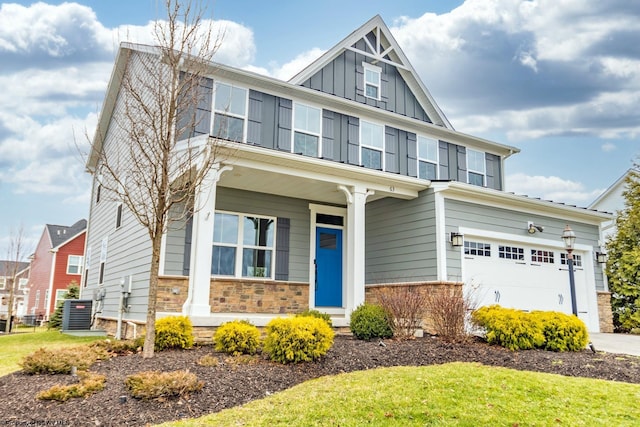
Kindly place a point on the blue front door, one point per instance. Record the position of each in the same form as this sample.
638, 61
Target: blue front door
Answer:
328, 267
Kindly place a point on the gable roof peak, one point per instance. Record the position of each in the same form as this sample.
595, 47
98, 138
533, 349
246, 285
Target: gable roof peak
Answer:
380, 46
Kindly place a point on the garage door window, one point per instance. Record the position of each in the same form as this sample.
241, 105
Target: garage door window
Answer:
545, 257
511, 252
477, 248
577, 260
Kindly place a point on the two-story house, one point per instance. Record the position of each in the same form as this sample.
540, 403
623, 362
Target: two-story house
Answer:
13, 275
57, 262
345, 178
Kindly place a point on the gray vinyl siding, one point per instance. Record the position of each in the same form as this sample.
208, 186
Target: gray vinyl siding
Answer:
297, 210
401, 240
469, 215
129, 246
343, 77
174, 248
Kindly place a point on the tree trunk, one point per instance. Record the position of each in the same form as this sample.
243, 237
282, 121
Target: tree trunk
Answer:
150, 335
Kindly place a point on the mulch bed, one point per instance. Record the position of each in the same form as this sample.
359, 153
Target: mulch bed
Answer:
233, 383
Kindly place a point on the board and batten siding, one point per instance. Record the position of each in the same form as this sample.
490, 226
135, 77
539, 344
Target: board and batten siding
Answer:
177, 240
401, 240
470, 215
344, 77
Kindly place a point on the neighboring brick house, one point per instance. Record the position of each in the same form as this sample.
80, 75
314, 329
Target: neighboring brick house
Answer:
7, 279
57, 262
342, 180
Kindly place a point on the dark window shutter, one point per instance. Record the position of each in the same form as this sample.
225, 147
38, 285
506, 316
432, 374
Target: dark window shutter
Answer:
284, 124
186, 256
443, 157
412, 154
282, 248
353, 141
462, 163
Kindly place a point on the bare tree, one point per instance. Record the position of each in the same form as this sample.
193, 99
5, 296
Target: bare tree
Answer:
13, 266
157, 167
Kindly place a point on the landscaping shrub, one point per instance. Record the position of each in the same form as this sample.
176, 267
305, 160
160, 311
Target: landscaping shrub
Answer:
448, 310
562, 332
157, 385
119, 347
517, 330
297, 339
174, 332
237, 337
406, 306
315, 313
60, 361
208, 360
89, 384
370, 321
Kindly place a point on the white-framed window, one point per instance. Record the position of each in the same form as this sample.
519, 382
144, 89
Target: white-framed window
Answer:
577, 259
119, 216
307, 125
37, 301
372, 85
103, 259
477, 248
427, 158
243, 245
476, 167
22, 283
3, 282
511, 252
230, 112
74, 264
545, 257
60, 294
371, 145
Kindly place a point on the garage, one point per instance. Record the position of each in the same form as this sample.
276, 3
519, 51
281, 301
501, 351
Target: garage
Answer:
523, 276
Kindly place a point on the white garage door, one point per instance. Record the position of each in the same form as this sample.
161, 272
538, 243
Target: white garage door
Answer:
522, 276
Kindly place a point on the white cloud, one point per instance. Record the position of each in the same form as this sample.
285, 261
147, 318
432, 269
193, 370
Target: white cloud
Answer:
551, 188
608, 146
288, 70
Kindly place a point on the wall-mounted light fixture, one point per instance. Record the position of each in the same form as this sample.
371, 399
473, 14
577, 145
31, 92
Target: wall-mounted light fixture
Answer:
457, 239
601, 257
532, 228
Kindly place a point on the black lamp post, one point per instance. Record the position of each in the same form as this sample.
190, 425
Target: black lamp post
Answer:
569, 238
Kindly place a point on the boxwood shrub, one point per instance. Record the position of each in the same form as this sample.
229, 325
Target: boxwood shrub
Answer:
297, 339
370, 321
174, 332
237, 337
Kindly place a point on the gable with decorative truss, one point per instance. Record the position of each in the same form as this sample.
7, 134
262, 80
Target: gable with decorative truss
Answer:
370, 68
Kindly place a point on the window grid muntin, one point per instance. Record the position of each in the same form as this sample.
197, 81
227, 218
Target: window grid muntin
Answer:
372, 81
74, 264
241, 248
577, 259
427, 158
542, 256
477, 248
371, 139
511, 252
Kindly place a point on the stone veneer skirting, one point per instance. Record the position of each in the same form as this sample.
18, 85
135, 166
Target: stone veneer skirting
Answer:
604, 311
423, 287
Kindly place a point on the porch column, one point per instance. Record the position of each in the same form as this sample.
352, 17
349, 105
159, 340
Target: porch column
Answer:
197, 303
356, 200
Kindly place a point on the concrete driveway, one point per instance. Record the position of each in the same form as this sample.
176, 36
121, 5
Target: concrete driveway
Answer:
616, 343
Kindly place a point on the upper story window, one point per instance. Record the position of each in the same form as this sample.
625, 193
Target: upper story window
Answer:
230, 105
119, 216
22, 283
372, 81
243, 245
74, 264
3, 282
306, 130
427, 158
371, 145
476, 167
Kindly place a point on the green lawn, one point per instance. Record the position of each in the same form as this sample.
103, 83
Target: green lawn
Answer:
456, 394
14, 347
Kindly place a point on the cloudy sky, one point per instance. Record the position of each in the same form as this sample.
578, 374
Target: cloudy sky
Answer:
559, 79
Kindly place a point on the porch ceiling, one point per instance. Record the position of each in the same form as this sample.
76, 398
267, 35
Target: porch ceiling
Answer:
292, 175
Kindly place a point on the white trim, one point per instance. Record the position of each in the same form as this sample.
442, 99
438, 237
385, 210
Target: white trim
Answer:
372, 147
496, 235
374, 69
315, 209
426, 160
49, 291
80, 266
306, 131
441, 237
482, 172
226, 112
240, 246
